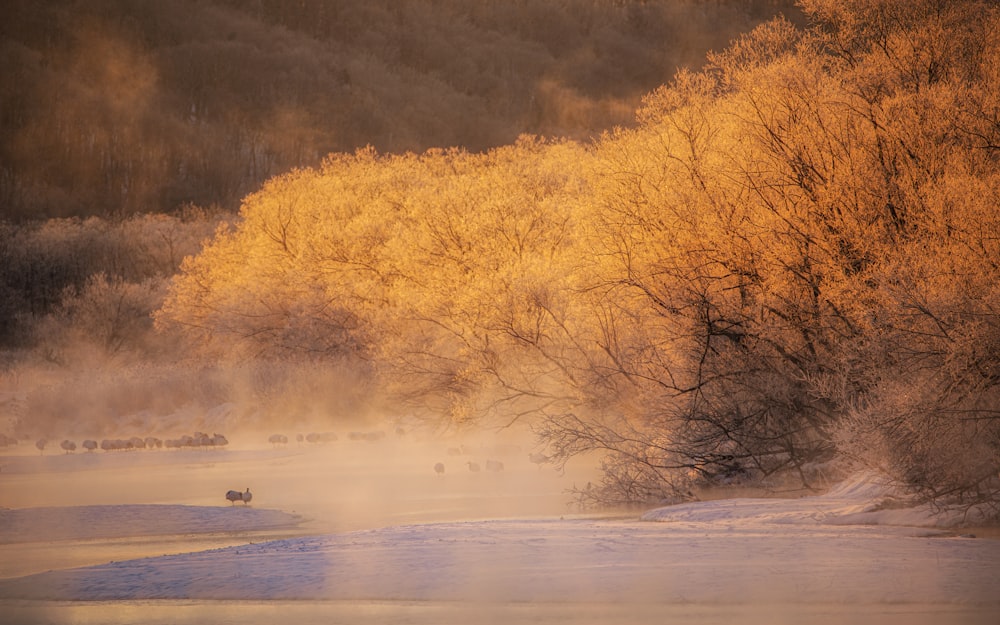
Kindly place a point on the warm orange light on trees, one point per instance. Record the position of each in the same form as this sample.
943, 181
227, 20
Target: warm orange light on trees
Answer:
790, 263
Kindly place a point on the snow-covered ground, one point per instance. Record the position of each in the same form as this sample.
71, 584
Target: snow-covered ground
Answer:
368, 533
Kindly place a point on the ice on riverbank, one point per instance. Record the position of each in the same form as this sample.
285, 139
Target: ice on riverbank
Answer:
751, 551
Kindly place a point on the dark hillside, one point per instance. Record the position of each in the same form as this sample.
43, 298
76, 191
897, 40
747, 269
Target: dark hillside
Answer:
115, 107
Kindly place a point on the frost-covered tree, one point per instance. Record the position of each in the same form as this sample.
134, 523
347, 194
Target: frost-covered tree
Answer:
790, 261
808, 225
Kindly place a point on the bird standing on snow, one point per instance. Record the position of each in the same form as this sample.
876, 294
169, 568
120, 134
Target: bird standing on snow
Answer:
439, 468
234, 495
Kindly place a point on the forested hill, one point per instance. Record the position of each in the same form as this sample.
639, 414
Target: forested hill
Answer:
116, 107
786, 270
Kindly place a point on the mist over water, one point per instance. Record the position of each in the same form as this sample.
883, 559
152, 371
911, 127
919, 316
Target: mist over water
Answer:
376, 517
336, 486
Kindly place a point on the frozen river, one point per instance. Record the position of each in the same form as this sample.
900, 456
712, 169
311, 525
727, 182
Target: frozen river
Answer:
366, 532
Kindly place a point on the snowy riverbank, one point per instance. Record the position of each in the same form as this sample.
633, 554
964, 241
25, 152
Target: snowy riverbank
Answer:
840, 557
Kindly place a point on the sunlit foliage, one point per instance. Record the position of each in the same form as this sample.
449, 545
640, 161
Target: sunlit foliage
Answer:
808, 221
438, 266
789, 263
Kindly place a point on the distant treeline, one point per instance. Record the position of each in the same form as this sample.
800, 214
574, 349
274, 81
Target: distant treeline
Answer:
115, 107
94, 278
